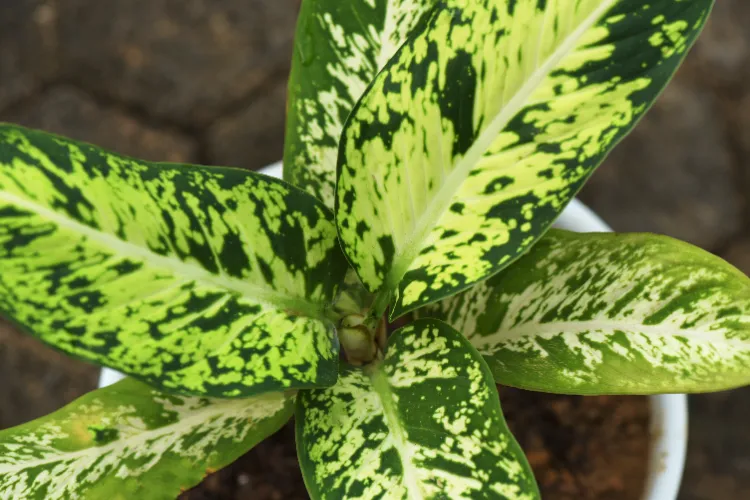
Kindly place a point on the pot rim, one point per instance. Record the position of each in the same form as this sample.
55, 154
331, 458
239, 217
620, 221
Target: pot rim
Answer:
669, 412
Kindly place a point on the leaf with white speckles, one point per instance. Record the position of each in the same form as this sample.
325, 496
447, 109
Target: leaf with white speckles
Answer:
131, 441
610, 314
425, 423
204, 281
481, 128
339, 48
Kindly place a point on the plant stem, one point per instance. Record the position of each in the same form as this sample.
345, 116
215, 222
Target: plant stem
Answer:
333, 315
378, 308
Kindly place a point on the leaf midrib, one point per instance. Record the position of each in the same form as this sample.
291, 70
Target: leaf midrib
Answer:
184, 270
382, 388
532, 329
383, 57
139, 441
455, 179
387, 48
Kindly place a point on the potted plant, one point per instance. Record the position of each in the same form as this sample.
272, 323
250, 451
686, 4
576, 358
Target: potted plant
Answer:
430, 146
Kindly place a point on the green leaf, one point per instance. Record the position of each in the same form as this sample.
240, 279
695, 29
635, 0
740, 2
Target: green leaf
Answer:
426, 423
131, 441
610, 314
339, 48
198, 280
479, 131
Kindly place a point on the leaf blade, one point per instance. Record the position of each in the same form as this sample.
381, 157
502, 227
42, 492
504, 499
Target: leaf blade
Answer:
339, 48
189, 278
479, 131
610, 314
426, 424
130, 440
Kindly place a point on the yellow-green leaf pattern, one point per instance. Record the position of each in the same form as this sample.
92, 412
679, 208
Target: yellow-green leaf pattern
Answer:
478, 132
610, 314
339, 48
423, 423
130, 441
210, 281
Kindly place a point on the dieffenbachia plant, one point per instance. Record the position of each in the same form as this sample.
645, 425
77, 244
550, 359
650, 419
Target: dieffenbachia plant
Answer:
430, 146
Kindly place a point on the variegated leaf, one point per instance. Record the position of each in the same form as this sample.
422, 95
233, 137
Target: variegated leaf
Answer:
423, 423
130, 441
610, 314
480, 130
339, 48
198, 280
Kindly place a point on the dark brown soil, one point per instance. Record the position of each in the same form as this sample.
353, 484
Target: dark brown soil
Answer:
268, 472
579, 447
582, 448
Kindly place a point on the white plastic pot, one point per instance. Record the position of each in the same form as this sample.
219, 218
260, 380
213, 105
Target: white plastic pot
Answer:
669, 414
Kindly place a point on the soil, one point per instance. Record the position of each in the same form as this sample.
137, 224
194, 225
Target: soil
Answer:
268, 472
582, 448
579, 447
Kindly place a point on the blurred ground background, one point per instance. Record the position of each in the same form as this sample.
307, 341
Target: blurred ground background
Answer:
204, 81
